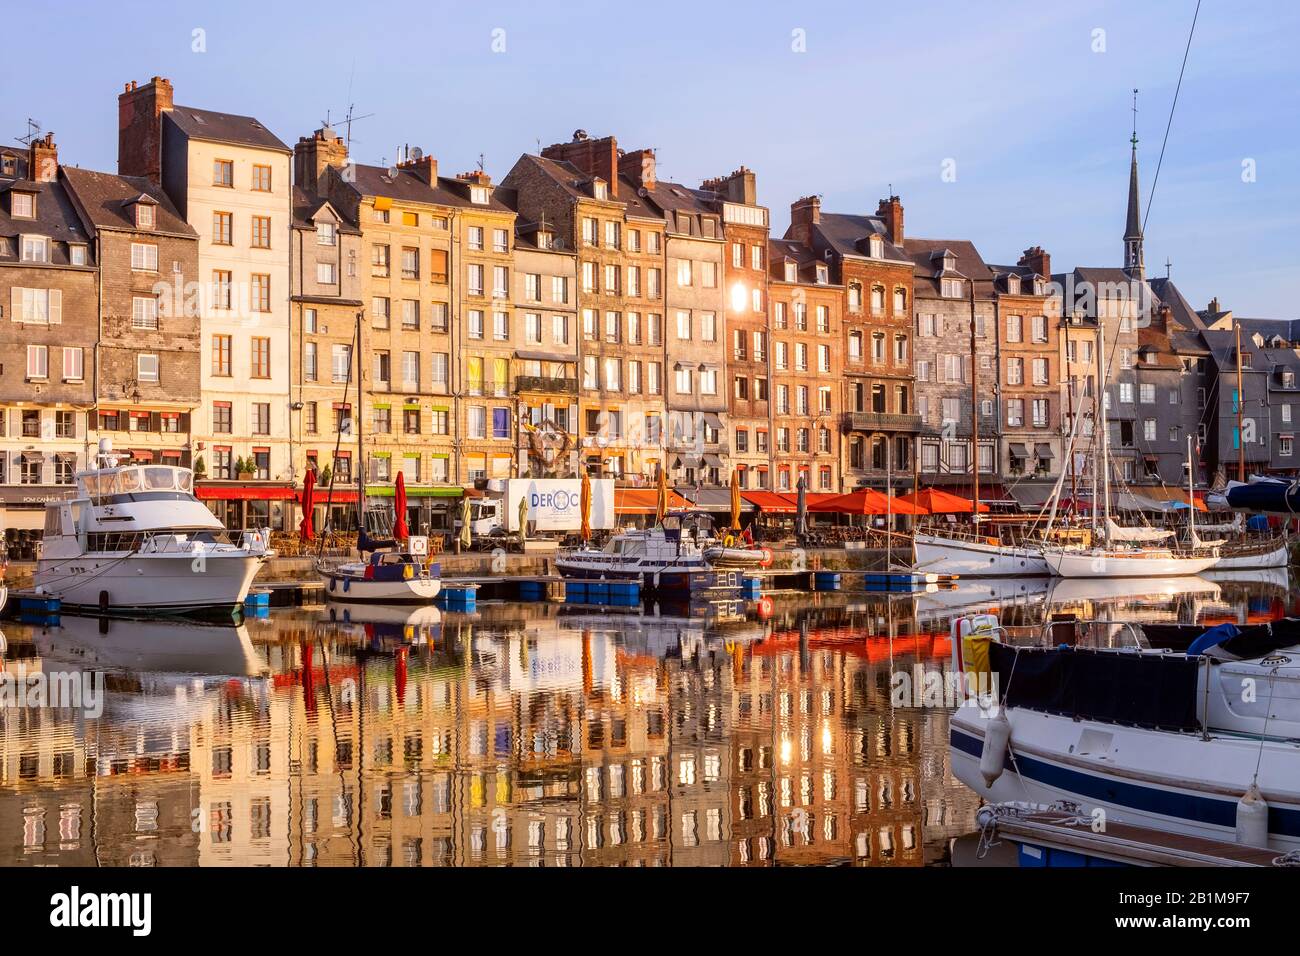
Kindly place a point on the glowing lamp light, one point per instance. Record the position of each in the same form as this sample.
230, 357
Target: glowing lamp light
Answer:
739, 296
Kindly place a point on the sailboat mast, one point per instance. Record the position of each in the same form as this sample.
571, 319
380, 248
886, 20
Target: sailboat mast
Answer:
974, 414
1105, 429
1241, 401
1191, 491
361, 452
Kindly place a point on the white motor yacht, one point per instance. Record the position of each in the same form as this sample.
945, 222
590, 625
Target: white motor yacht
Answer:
135, 538
662, 558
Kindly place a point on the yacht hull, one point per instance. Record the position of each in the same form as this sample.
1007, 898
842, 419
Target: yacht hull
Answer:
977, 559
340, 586
1276, 557
1090, 564
1176, 782
167, 583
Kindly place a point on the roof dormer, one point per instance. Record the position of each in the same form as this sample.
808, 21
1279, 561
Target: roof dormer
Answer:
22, 203
876, 247
143, 211
1013, 284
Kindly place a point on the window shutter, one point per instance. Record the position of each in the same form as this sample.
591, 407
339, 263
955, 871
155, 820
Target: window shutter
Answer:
16, 304
56, 306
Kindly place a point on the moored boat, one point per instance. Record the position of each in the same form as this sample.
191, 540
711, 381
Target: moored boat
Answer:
135, 538
1155, 738
386, 577
976, 556
663, 558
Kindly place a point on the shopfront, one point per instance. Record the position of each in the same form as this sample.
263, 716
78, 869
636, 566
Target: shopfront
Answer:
240, 505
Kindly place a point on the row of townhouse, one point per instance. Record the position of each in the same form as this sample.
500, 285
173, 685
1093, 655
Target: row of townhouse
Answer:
253, 310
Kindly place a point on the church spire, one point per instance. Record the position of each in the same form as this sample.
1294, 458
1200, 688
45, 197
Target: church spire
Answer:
1133, 262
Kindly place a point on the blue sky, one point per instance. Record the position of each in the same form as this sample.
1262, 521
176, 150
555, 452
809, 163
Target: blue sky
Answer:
1035, 120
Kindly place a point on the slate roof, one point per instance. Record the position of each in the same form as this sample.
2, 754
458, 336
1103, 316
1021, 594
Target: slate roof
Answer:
108, 201
224, 128
848, 235
925, 255
56, 217
403, 185
778, 250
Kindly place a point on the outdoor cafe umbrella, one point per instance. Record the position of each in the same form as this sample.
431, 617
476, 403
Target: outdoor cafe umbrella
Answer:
523, 519
866, 501
585, 505
400, 531
735, 499
939, 502
305, 530
661, 502
801, 509
466, 538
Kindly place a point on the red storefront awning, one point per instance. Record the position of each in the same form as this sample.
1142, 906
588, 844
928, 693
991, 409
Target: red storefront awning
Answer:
207, 491
769, 502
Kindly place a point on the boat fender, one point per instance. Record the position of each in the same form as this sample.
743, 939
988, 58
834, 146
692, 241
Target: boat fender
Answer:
408, 572
347, 585
1252, 818
333, 582
103, 600
997, 737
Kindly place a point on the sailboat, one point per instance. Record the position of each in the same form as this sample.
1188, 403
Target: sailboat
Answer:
1128, 552
391, 575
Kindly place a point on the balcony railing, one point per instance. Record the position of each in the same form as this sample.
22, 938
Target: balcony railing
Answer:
882, 421
546, 383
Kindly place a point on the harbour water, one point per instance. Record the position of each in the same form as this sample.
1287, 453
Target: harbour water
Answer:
521, 734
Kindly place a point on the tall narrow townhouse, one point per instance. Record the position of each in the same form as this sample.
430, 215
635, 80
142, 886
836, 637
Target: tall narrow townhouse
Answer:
574, 189
807, 381
946, 274
865, 255
1102, 309
745, 228
48, 333
545, 377
697, 440
147, 362
327, 259
229, 177
409, 339
483, 247
1029, 376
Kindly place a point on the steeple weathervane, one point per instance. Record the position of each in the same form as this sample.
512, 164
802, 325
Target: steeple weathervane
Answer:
1133, 262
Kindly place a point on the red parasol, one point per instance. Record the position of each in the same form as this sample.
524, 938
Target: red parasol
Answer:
400, 531
305, 531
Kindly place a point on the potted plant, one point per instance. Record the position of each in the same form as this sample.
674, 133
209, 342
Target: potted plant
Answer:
323, 480
200, 468
244, 469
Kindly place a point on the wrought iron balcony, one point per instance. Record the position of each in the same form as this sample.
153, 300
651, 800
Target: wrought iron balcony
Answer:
545, 383
882, 422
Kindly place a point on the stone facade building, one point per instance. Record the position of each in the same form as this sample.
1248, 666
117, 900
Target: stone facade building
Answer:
48, 334
866, 255
952, 284
808, 434
575, 193
748, 322
147, 360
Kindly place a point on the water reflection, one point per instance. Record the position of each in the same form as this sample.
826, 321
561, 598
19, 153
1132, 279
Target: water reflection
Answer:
520, 735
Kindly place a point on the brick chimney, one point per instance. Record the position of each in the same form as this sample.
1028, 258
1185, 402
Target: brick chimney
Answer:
639, 166
476, 177
43, 160
595, 157
1036, 260
312, 155
1214, 306
891, 211
739, 187
139, 128
804, 214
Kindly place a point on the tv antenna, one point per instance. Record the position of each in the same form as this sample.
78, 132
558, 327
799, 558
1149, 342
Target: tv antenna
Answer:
33, 132
349, 118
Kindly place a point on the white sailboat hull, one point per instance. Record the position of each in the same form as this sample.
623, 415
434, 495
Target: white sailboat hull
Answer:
1118, 564
970, 558
1176, 782
1278, 557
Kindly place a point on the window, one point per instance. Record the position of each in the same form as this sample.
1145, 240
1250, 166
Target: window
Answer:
261, 418
260, 292
501, 326
325, 273
438, 317
144, 312
144, 257
500, 282
76, 254
381, 366
35, 249
500, 422
221, 355
708, 327
261, 235
683, 272
474, 275
410, 370
410, 263
410, 314
223, 173
340, 363
222, 289
74, 368
684, 326
877, 300
326, 233
709, 275
310, 365
38, 361
260, 365
1015, 325
474, 238
1040, 409
146, 368
23, 205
